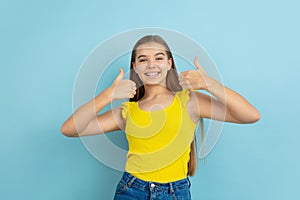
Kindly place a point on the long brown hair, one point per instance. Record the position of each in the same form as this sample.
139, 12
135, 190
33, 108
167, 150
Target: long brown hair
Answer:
172, 83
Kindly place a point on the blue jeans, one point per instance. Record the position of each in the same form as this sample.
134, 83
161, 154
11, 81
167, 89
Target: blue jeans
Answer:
133, 188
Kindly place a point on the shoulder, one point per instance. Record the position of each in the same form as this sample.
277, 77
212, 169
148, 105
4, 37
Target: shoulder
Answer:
127, 104
183, 95
191, 96
125, 107
198, 103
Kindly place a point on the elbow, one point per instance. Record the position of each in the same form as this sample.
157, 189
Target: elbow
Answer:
254, 118
67, 133
249, 119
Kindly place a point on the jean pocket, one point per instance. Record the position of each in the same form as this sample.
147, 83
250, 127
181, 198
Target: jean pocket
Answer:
121, 187
183, 194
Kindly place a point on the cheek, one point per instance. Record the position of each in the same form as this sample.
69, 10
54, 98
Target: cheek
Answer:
165, 68
138, 70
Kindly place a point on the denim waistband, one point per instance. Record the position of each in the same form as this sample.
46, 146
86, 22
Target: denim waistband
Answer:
171, 186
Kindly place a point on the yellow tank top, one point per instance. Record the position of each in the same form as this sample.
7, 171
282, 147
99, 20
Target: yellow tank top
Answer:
159, 141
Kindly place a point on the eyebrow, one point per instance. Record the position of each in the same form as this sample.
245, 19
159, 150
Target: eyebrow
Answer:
159, 53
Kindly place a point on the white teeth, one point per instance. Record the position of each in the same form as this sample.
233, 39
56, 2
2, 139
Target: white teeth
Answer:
151, 73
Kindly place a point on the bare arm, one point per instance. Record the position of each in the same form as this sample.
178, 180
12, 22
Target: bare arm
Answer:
227, 105
85, 121
234, 108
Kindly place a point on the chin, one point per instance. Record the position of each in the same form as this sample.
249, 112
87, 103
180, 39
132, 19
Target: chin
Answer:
154, 84
151, 83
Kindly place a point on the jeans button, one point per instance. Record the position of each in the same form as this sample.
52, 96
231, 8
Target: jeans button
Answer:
152, 185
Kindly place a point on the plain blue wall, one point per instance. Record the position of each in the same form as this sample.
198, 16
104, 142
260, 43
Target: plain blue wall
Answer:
255, 45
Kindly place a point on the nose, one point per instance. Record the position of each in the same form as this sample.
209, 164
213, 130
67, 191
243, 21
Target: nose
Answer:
151, 63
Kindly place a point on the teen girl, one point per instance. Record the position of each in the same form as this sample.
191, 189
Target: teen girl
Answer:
159, 120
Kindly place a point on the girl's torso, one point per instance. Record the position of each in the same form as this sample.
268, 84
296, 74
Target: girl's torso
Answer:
159, 133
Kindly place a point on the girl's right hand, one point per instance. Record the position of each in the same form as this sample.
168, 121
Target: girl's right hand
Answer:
122, 89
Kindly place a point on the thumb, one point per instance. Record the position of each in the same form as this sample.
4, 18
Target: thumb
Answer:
198, 66
120, 76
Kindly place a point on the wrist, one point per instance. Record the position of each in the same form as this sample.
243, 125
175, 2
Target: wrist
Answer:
211, 84
105, 95
109, 94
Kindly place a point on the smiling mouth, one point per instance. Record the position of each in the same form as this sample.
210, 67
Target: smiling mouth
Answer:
152, 73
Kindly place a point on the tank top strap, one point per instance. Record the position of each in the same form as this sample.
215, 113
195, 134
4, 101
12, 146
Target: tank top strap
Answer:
125, 108
184, 96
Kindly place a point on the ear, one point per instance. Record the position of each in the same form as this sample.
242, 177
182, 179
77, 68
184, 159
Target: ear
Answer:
170, 63
133, 66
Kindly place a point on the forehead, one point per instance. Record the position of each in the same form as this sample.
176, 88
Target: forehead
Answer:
150, 48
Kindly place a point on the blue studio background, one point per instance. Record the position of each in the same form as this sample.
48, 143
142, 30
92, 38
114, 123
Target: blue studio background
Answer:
255, 45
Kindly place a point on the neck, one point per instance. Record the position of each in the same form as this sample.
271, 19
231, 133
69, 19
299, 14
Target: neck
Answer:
155, 90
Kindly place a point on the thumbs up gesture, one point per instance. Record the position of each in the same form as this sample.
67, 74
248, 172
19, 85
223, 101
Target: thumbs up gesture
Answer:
122, 89
194, 79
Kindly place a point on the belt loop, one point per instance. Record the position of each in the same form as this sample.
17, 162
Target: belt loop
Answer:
189, 181
131, 181
171, 188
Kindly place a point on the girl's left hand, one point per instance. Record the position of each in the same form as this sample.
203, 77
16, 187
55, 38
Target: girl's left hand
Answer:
194, 79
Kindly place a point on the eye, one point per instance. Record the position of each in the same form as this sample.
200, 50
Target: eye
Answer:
142, 60
159, 58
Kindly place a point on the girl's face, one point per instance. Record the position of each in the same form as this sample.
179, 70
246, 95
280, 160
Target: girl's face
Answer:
152, 63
